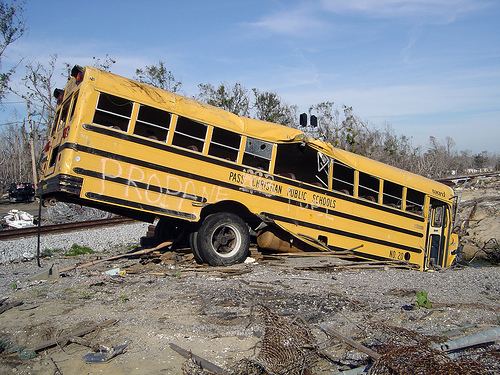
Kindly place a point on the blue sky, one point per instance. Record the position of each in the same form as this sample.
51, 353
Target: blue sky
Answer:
426, 67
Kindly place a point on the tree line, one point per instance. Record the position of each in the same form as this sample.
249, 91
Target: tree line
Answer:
26, 134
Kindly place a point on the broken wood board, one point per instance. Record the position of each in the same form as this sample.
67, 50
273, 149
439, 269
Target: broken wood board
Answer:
66, 338
200, 361
140, 252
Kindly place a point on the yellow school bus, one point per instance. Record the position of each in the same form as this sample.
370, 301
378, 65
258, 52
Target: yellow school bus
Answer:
219, 180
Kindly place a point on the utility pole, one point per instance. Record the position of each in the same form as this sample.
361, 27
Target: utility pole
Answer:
32, 144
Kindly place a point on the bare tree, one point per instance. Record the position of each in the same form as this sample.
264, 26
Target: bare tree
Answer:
328, 117
104, 65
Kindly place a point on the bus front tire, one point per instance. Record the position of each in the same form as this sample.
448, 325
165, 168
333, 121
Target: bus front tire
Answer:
223, 239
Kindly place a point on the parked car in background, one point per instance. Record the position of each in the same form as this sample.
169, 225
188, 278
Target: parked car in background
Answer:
21, 192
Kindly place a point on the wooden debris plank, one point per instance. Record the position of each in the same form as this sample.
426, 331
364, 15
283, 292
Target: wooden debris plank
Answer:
9, 306
350, 342
66, 338
342, 254
357, 265
140, 252
201, 361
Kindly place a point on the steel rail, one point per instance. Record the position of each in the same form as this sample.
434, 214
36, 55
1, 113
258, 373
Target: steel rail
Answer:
9, 234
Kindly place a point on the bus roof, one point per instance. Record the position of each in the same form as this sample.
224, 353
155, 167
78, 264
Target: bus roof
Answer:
267, 131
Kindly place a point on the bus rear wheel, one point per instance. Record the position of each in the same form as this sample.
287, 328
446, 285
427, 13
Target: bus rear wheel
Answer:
223, 239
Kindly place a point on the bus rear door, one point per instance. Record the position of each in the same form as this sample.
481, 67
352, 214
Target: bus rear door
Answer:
436, 234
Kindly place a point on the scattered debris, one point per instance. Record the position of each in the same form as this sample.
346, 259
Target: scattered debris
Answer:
136, 253
350, 342
7, 306
103, 354
289, 347
50, 273
358, 266
63, 340
18, 219
491, 249
198, 363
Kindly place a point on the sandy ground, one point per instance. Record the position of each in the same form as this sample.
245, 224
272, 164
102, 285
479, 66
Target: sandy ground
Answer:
207, 310
167, 299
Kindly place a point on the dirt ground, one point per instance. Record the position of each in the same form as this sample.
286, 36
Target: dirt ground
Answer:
165, 298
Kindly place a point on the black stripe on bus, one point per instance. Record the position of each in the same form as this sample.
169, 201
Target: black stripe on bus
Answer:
139, 185
146, 142
123, 202
161, 168
341, 232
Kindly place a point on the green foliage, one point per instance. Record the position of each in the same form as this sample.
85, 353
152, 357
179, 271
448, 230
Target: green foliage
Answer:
12, 27
422, 300
124, 298
270, 107
158, 76
78, 250
233, 99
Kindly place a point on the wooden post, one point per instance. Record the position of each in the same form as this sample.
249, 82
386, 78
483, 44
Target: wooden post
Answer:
32, 145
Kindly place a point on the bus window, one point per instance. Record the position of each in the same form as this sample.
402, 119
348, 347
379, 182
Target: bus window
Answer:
303, 163
152, 123
392, 194
113, 111
257, 154
415, 202
368, 187
54, 124
64, 115
224, 144
189, 134
75, 98
343, 178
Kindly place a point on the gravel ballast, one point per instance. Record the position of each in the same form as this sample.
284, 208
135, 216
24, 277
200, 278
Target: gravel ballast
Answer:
99, 240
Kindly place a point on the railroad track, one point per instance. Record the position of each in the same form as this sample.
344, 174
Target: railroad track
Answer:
10, 234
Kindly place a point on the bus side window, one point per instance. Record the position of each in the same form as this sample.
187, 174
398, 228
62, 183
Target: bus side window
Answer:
258, 154
64, 115
415, 202
392, 195
54, 124
224, 144
303, 163
113, 111
75, 98
189, 134
152, 123
343, 178
368, 187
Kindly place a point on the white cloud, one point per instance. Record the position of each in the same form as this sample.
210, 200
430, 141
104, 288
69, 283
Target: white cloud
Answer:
295, 22
439, 10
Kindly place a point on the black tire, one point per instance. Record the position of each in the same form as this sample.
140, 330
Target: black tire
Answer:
169, 230
223, 239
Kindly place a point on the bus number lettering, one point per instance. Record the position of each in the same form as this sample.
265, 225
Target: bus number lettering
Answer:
396, 255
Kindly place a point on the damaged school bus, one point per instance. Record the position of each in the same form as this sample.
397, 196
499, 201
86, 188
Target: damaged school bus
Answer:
215, 179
